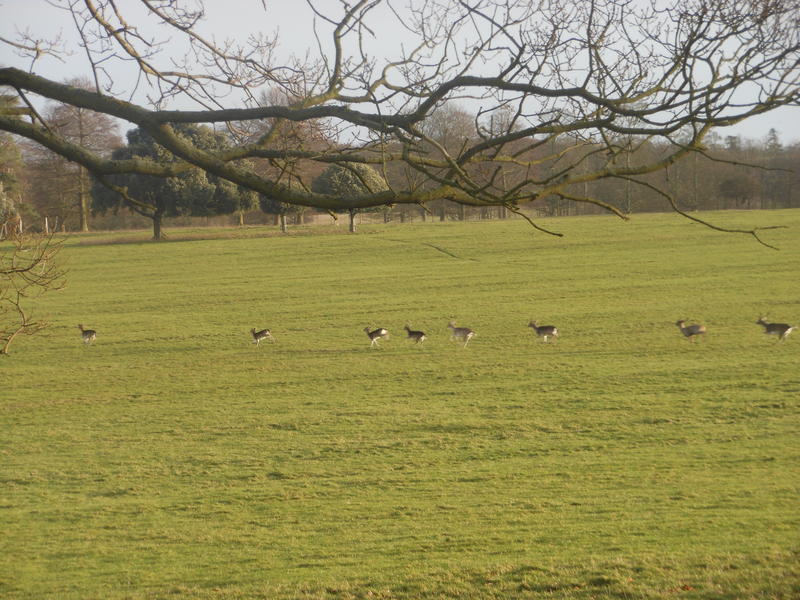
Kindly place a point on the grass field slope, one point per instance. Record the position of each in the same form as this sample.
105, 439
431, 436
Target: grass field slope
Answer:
174, 458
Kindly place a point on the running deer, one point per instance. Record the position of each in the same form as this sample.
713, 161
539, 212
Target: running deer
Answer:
264, 334
460, 333
544, 331
417, 336
690, 331
88, 335
779, 329
375, 335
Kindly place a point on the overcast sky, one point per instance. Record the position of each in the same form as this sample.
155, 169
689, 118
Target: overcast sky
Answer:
237, 18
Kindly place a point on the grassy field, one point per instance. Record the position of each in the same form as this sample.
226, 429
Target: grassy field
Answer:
175, 459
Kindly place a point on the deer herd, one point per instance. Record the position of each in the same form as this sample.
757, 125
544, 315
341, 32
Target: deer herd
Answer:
780, 329
465, 334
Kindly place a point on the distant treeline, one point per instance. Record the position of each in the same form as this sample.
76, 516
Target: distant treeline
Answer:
733, 173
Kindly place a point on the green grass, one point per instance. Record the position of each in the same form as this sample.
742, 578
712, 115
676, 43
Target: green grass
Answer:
174, 459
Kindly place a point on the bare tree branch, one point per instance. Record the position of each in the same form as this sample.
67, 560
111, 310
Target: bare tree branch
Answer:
560, 94
28, 269
674, 205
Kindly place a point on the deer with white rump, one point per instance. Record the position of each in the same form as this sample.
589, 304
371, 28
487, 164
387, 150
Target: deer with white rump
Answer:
780, 329
544, 331
417, 336
375, 335
464, 334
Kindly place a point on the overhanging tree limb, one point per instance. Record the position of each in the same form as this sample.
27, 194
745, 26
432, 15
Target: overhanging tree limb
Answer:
553, 90
674, 205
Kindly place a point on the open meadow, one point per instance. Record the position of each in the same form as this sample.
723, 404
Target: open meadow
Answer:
173, 458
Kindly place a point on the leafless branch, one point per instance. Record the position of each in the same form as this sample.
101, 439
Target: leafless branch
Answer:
558, 95
674, 206
28, 268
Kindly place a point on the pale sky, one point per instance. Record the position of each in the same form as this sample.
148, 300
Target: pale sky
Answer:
291, 18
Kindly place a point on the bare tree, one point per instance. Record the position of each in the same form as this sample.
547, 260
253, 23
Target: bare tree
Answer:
90, 130
28, 269
10, 168
282, 137
583, 73
10, 163
57, 187
49, 185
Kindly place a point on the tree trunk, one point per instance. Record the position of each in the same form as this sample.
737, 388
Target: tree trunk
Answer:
241, 218
157, 216
628, 199
83, 198
443, 212
462, 212
282, 219
352, 220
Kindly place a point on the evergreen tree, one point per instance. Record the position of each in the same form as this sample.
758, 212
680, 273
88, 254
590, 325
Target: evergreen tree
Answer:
347, 180
193, 193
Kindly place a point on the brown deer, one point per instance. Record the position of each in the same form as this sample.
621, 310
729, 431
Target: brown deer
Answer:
690, 331
460, 333
544, 331
88, 335
780, 329
264, 334
376, 335
417, 336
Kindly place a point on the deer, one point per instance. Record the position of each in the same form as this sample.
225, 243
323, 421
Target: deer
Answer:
264, 334
375, 335
88, 335
780, 329
544, 331
460, 333
690, 331
417, 336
